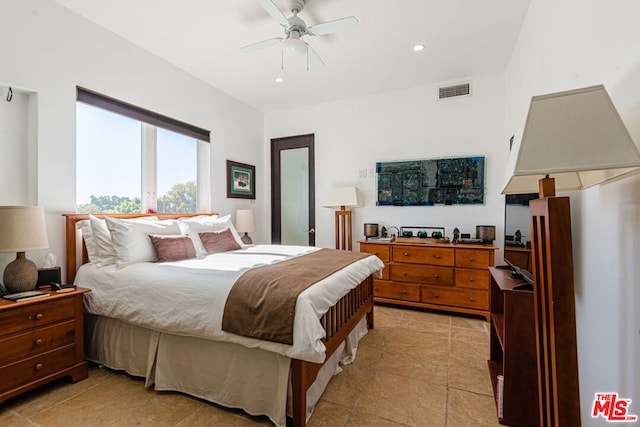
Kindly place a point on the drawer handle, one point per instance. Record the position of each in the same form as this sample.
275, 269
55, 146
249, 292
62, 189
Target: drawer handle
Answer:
437, 276
471, 299
437, 295
376, 289
471, 279
38, 316
438, 256
39, 366
471, 259
406, 254
405, 273
39, 341
403, 292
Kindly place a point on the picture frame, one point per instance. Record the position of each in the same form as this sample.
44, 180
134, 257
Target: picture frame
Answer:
241, 182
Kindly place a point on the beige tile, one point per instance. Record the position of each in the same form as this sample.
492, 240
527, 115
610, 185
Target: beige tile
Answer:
465, 408
11, 419
470, 335
361, 418
404, 400
407, 341
470, 323
327, 414
215, 416
345, 388
414, 365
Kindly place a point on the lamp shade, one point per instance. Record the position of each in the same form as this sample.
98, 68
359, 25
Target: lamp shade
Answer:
245, 221
22, 228
576, 137
343, 196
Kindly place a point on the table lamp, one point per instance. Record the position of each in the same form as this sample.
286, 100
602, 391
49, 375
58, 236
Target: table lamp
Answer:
245, 223
22, 228
342, 198
572, 140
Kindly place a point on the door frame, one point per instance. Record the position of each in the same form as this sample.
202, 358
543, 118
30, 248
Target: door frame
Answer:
287, 143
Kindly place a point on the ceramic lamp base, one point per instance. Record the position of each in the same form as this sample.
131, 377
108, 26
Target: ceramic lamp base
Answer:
20, 274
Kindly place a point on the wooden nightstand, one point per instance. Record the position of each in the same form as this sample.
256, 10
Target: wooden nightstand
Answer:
41, 340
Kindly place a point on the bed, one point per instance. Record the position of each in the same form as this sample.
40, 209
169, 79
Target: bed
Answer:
260, 377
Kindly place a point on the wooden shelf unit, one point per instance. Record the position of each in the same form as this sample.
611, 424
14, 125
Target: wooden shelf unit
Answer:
513, 349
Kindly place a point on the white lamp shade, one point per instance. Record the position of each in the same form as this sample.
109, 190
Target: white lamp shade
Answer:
343, 196
22, 228
245, 221
576, 137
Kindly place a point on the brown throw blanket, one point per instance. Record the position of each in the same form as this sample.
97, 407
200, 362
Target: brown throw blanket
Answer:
262, 302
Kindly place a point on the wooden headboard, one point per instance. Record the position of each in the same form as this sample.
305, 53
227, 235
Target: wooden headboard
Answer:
74, 241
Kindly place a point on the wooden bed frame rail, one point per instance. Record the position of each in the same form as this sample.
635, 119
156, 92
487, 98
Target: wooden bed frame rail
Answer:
337, 322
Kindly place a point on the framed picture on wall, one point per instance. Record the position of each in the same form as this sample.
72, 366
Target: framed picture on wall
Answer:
241, 180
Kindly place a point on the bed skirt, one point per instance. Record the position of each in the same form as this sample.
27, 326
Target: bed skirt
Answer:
228, 374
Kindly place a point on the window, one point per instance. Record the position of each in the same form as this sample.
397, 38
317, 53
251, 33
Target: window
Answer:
131, 160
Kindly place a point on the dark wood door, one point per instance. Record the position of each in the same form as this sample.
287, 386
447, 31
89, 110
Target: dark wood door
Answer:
293, 191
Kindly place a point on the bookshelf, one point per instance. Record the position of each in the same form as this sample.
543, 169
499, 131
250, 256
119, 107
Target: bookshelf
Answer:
513, 349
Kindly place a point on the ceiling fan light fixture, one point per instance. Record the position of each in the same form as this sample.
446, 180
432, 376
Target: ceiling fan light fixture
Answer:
294, 47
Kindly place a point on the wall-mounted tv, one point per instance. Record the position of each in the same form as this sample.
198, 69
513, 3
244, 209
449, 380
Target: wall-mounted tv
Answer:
517, 234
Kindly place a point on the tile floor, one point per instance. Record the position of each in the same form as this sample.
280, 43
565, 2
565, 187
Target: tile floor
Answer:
417, 368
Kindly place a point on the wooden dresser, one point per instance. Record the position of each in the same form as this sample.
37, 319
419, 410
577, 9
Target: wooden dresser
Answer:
439, 276
41, 340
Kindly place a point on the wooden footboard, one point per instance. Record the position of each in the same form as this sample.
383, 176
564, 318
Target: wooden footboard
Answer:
338, 322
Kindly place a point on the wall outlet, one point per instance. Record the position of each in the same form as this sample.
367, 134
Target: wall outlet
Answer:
362, 173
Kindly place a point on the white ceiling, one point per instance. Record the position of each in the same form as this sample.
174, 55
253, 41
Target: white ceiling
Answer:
462, 37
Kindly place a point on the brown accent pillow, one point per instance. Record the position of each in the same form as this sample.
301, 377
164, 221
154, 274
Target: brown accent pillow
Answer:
172, 248
219, 241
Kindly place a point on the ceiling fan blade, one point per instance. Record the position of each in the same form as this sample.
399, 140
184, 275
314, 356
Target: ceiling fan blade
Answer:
273, 10
313, 60
261, 45
342, 24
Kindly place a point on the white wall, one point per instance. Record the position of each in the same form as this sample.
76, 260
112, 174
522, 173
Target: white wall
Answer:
565, 45
410, 124
49, 50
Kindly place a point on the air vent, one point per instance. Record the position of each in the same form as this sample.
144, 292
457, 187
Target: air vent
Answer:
456, 90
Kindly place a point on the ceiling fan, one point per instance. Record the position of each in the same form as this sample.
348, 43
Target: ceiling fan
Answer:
295, 28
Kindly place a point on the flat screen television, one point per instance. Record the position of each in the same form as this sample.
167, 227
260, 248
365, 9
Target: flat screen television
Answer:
517, 235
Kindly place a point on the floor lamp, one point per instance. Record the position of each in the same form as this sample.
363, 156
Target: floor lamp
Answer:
571, 141
342, 198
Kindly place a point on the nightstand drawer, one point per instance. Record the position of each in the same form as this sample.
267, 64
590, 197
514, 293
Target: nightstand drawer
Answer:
422, 274
398, 291
468, 278
466, 298
473, 258
34, 368
381, 251
423, 255
36, 315
37, 341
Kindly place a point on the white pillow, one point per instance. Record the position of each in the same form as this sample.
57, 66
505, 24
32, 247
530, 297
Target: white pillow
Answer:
131, 239
89, 241
203, 224
105, 252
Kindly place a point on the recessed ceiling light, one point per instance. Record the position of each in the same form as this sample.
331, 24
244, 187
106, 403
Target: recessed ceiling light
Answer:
279, 79
418, 47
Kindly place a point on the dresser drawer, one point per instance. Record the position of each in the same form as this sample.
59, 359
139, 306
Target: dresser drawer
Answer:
466, 298
398, 291
381, 251
473, 258
422, 274
468, 278
36, 315
34, 368
424, 255
37, 341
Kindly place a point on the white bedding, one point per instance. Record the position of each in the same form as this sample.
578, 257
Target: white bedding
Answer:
187, 297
